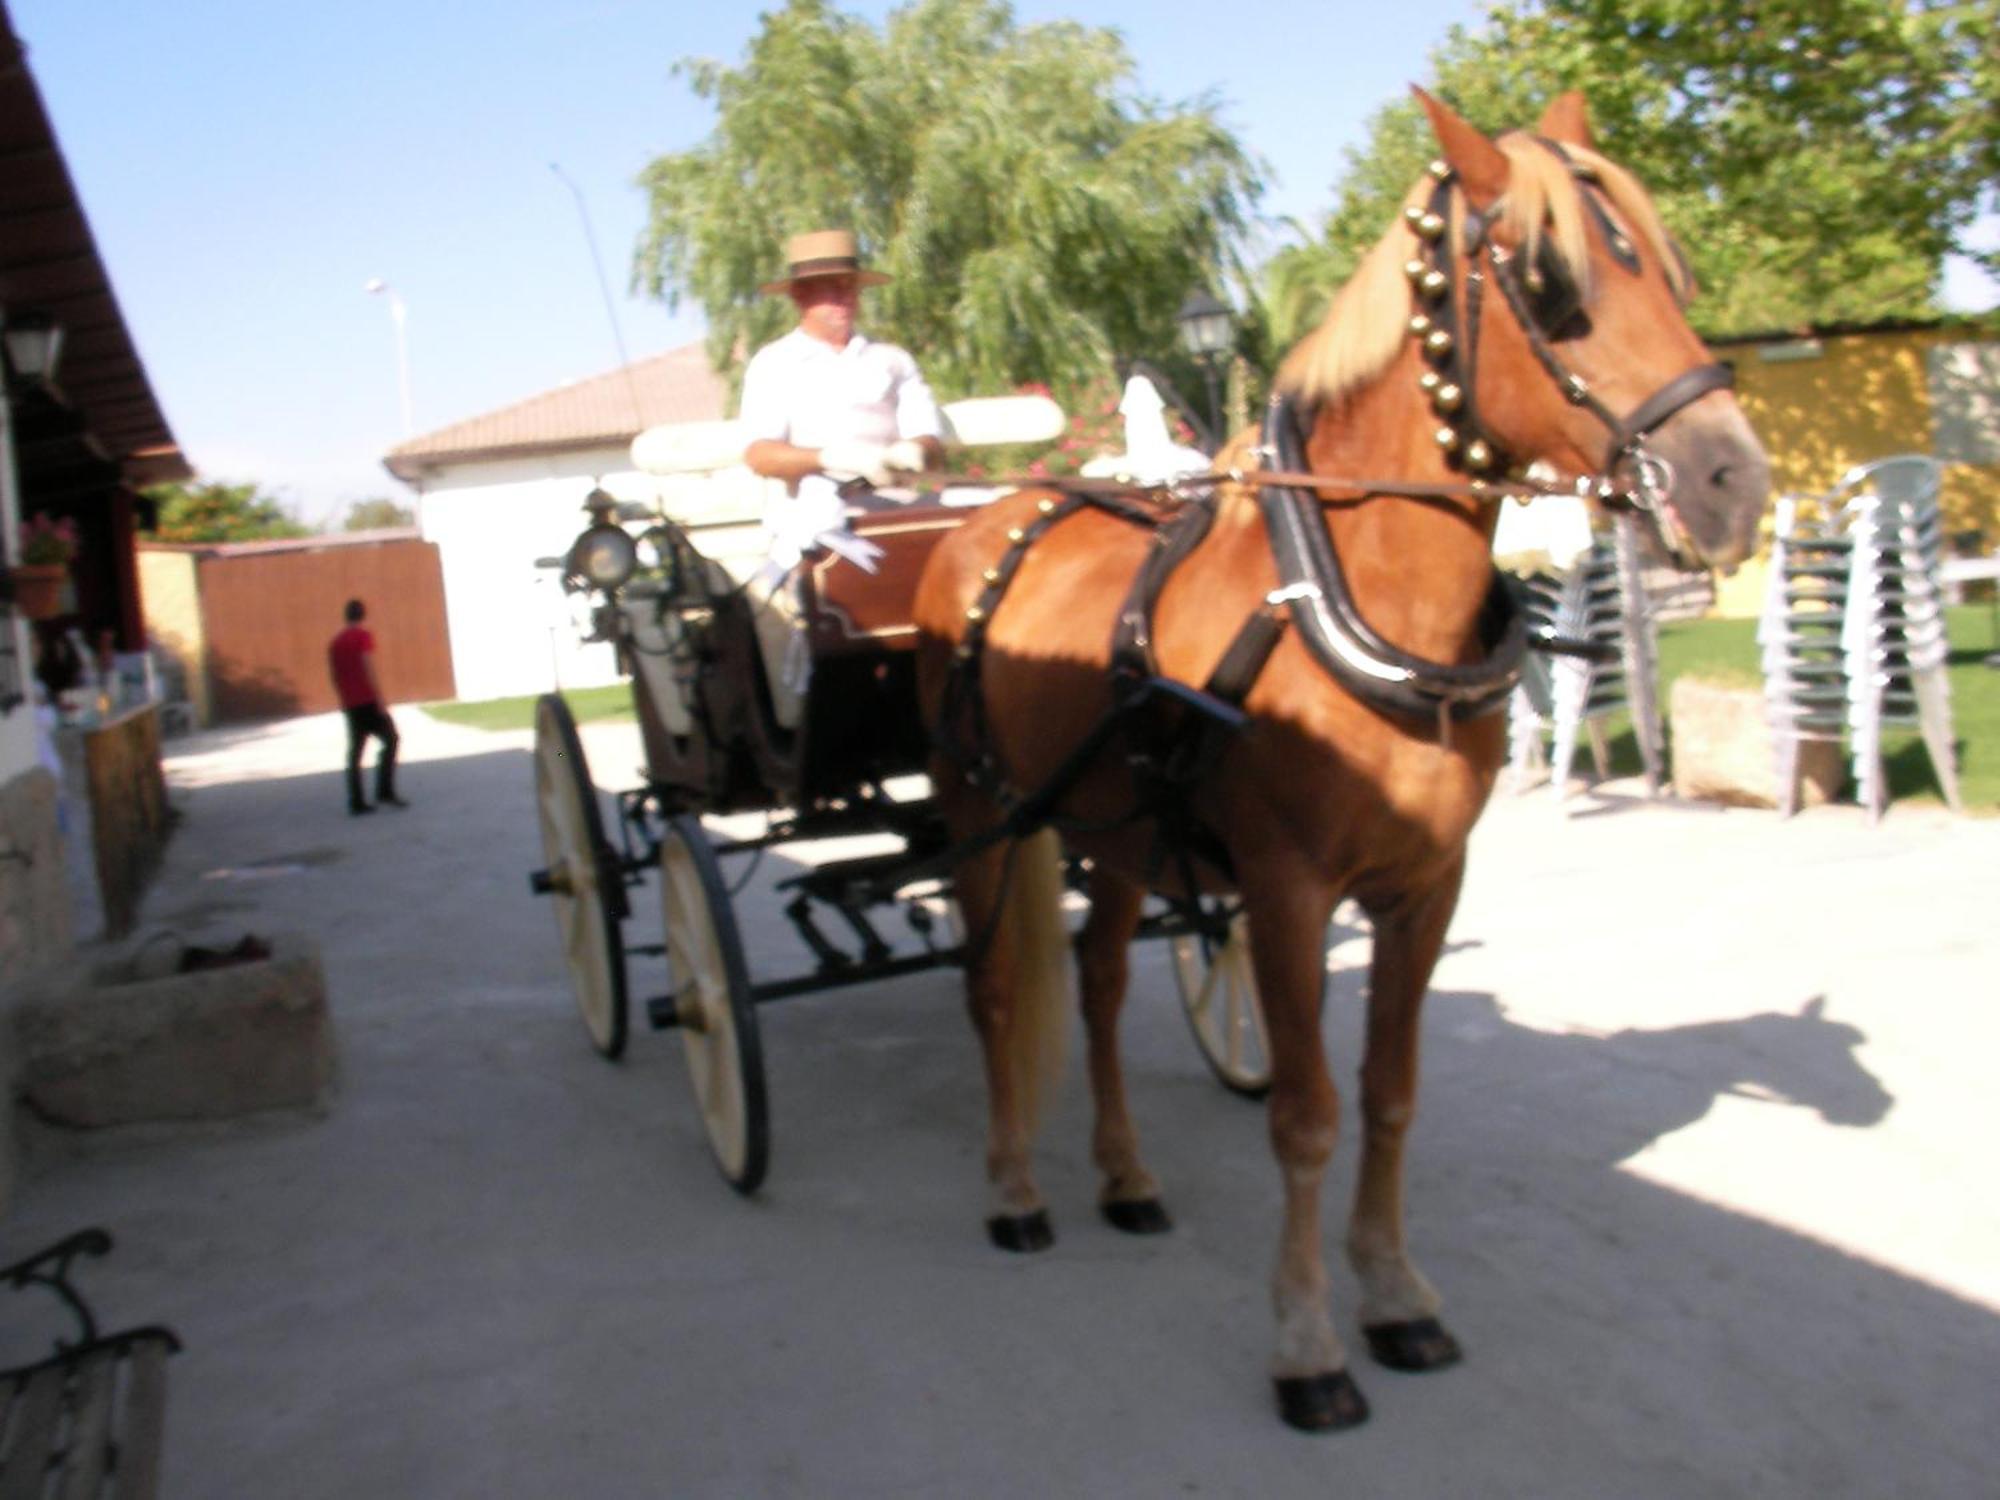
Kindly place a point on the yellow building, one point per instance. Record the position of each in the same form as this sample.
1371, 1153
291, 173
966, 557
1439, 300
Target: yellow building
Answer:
1826, 399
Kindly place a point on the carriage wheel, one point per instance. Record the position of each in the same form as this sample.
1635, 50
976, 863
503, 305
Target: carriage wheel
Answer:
1219, 993
710, 990
582, 876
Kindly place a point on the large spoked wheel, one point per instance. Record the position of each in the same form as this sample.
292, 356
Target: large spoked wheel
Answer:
582, 877
709, 987
1219, 993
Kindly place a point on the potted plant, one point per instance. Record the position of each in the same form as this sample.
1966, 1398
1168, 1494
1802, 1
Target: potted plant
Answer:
47, 548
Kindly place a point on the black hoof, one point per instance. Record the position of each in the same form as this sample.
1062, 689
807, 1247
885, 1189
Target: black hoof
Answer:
1321, 1403
1021, 1232
1418, 1345
1137, 1215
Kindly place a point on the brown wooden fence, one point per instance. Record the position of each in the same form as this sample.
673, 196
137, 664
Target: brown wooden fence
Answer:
270, 608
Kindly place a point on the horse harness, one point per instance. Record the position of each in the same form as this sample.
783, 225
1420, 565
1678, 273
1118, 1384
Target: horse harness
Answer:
1175, 731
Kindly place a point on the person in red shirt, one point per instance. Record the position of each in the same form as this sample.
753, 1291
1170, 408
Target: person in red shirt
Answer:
351, 656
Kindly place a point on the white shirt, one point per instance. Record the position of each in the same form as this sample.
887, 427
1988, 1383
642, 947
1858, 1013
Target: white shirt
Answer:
801, 390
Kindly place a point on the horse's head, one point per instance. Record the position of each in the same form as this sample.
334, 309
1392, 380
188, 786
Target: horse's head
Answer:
1547, 299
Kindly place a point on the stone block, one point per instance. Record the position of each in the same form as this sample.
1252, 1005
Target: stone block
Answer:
124, 1044
1722, 749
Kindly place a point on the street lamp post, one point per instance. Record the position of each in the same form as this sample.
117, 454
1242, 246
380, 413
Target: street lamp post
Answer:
377, 287
1207, 330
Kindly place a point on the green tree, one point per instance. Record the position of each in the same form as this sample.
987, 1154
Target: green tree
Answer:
216, 511
1040, 217
1816, 158
377, 514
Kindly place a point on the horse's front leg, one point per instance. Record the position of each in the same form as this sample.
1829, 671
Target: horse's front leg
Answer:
1288, 919
1399, 1308
1129, 1197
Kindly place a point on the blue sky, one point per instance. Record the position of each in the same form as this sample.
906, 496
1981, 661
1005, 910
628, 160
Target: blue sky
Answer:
248, 166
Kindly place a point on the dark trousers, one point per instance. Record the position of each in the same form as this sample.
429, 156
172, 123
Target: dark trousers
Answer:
370, 719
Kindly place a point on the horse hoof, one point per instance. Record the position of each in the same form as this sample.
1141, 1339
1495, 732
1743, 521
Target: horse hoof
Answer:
1021, 1232
1321, 1403
1137, 1215
1418, 1345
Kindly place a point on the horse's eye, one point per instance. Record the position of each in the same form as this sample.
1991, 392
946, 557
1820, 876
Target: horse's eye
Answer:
1553, 298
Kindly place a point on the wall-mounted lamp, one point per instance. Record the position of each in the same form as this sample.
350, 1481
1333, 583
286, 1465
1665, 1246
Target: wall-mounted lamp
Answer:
34, 345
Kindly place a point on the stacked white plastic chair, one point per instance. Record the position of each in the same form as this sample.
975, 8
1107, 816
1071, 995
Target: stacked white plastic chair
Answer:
1799, 636
1853, 630
1894, 637
1599, 601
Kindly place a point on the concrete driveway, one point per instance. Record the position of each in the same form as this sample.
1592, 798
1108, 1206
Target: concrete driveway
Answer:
1704, 1171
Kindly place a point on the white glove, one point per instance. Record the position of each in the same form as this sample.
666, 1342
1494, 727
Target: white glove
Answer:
907, 456
862, 460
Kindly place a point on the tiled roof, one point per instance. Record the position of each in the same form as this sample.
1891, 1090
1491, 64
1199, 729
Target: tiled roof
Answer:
615, 407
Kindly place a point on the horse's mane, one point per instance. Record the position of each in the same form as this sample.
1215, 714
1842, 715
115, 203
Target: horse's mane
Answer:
1368, 323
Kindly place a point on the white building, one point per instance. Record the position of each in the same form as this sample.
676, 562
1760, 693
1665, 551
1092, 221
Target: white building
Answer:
502, 493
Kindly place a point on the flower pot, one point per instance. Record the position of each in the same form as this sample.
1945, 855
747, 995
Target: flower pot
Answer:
38, 589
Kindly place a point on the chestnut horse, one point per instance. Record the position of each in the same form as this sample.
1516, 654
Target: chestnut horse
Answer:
1522, 317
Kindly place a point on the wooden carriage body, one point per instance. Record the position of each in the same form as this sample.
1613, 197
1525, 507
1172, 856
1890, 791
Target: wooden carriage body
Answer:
702, 687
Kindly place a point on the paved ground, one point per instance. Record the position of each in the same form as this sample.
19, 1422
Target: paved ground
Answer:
1704, 1172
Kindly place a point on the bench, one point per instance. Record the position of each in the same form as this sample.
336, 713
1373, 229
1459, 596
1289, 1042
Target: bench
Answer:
88, 1419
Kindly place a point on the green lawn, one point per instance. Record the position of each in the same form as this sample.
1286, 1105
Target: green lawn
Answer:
1726, 650
586, 704
1721, 649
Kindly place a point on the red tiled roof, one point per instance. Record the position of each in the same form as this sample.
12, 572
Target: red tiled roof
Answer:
615, 407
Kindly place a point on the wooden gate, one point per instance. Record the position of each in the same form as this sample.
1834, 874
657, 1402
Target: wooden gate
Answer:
269, 609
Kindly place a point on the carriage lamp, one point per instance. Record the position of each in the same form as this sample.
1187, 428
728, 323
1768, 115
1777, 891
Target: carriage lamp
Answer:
1207, 332
604, 557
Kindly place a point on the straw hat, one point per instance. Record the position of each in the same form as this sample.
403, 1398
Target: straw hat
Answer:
824, 252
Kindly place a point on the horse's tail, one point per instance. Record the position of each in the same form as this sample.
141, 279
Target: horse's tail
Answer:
1031, 924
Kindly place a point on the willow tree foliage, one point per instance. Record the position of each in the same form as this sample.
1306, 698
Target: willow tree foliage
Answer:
1816, 158
1041, 218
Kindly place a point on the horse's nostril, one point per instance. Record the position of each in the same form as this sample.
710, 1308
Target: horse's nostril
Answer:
1720, 478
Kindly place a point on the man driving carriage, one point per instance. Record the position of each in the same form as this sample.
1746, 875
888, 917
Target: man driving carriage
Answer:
825, 406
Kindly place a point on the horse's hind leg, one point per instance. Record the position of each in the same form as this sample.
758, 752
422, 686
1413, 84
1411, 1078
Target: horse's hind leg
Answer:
1399, 1308
1017, 991
1129, 1197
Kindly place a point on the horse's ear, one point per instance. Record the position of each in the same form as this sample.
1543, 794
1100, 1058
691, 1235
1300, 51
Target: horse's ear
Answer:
1481, 166
1813, 1009
1567, 120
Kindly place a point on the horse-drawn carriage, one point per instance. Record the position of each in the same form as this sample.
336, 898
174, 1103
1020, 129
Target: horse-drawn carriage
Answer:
706, 693
1273, 693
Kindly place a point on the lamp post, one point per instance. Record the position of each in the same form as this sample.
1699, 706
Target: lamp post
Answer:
377, 287
1207, 330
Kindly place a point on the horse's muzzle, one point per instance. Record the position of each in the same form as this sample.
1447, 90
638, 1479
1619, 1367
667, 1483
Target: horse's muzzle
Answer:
1720, 479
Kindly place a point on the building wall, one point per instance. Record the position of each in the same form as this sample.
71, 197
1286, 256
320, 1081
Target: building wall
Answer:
169, 590
513, 630
1856, 397
1823, 405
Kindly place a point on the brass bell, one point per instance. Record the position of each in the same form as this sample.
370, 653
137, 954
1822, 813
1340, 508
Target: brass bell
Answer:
1478, 455
1448, 398
1439, 168
1414, 269
1446, 438
1534, 280
1419, 325
975, 614
1016, 535
1433, 284
1430, 226
991, 575
1046, 507
1437, 343
1411, 214
1429, 381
